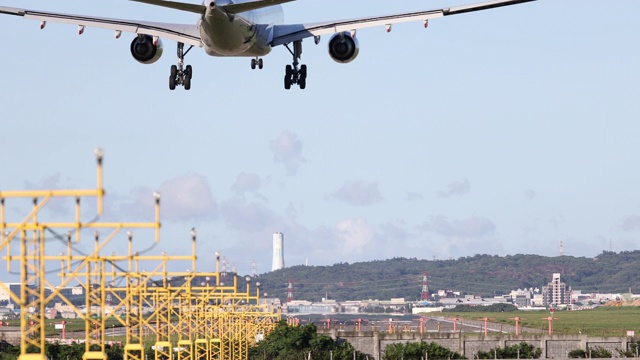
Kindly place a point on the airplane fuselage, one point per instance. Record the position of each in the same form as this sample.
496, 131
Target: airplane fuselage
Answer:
243, 34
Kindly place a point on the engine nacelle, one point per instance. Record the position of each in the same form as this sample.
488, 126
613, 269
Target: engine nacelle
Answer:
145, 51
343, 47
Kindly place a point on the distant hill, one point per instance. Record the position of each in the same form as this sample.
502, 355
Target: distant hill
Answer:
483, 275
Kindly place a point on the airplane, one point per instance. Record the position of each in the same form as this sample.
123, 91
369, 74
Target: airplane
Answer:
242, 28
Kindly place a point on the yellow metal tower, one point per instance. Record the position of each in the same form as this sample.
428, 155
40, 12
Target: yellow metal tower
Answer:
200, 317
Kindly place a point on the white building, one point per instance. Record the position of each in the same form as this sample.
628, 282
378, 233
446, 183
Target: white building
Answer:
556, 293
278, 251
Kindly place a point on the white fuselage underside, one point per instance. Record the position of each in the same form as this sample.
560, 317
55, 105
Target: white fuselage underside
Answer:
244, 34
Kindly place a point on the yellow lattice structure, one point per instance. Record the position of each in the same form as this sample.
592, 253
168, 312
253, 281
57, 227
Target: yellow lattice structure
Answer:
200, 318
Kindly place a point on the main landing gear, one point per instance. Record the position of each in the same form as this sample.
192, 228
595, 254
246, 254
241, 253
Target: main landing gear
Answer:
181, 75
292, 74
257, 62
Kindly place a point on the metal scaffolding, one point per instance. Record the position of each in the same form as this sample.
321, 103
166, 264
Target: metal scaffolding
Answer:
192, 313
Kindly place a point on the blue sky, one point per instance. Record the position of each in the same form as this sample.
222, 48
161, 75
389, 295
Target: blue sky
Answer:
500, 132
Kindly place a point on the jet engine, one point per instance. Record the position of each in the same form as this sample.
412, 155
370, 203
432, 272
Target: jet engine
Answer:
343, 47
144, 50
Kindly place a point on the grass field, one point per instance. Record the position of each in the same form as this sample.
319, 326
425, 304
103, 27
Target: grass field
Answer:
602, 321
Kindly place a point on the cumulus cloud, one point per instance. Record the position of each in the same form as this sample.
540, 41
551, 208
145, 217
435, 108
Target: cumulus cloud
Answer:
530, 194
359, 193
413, 196
355, 235
395, 231
462, 187
243, 216
246, 182
287, 149
185, 198
463, 228
631, 223
56, 206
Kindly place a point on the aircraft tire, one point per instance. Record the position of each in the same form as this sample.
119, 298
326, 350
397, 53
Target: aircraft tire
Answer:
287, 82
172, 77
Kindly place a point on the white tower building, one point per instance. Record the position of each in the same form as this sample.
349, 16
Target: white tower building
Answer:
278, 251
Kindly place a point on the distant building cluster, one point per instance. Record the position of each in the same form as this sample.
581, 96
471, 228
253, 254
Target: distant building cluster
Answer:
555, 294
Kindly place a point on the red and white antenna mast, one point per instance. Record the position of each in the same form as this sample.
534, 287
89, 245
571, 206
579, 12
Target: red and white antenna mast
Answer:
290, 291
424, 295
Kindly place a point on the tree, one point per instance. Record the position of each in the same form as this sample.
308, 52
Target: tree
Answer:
595, 352
296, 342
417, 351
519, 351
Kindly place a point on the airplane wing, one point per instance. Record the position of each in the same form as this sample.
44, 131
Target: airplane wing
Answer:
187, 34
284, 34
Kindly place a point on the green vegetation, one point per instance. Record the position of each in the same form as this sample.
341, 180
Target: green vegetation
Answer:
595, 352
602, 321
520, 351
57, 351
296, 342
417, 351
483, 275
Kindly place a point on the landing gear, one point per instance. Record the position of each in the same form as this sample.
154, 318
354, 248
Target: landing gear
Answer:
181, 75
257, 62
292, 74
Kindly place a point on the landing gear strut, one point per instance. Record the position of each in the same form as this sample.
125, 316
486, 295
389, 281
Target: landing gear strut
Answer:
180, 74
292, 74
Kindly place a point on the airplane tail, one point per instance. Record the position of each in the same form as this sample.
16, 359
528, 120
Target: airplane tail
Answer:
201, 9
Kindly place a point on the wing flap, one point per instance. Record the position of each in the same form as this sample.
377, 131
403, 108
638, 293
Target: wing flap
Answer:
184, 33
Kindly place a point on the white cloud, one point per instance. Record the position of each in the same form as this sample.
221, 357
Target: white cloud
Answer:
462, 187
185, 198
472, 227
246, 182
59, 207
631, 223
530, 194
287, 149
395, 231
359, 193
250, 217
413, 196
355, 235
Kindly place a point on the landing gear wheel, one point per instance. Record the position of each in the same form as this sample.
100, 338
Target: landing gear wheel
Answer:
260, 63
187, 77
180, 74
173, 77
253, 64
288, 77
302, 81
293, 75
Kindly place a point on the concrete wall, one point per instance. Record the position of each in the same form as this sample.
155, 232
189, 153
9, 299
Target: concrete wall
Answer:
553, 347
